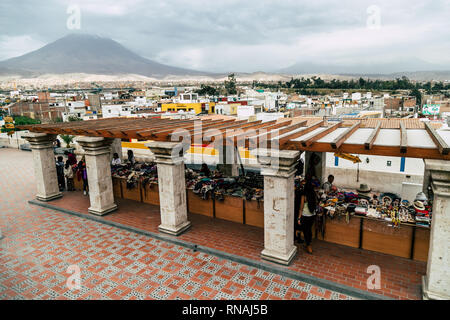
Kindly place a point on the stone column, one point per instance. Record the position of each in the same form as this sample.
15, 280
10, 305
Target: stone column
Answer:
44, 165
116, 146
436, 283
97, 151
278, 169
172, 186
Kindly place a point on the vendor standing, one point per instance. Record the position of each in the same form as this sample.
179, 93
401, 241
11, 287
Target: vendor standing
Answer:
116, 160
205, 170
307, 212
131, 158
328, 185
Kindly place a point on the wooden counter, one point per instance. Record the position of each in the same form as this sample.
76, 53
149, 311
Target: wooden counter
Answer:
421, 244
199, 206
117, 187
230, 208
378, 236
131, 194
338, 231
254, 213
150, 193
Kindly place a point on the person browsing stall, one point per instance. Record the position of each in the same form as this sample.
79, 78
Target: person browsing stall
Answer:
307, 212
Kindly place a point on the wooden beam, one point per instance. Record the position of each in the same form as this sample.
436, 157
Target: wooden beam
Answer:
302, 132
373, 136
403, 138
165, 135
339, 140
279, 132
437, 139
393, 151
319, 135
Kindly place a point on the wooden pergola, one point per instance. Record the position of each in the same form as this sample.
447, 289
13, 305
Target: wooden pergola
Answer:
384, 137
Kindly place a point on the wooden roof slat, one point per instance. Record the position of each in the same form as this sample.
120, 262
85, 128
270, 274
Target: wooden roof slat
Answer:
233, 138
166, 134
403, 138
303, 132
254, 126
437, 139
319, 135
393, 151
167, 128
373, 136
248, 125
339, 140
278, 132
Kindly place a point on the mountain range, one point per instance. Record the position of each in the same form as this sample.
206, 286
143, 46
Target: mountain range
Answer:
81, 53
93, 55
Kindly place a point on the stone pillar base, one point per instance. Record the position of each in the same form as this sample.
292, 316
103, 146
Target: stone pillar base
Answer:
175, 231
103, 211
279, 258
428, 295
49, 198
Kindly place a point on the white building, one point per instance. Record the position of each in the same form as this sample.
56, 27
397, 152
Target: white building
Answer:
245, 112
356, 96
117, 110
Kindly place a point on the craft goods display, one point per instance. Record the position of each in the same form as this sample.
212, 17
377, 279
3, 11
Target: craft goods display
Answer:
249, 187
382, 206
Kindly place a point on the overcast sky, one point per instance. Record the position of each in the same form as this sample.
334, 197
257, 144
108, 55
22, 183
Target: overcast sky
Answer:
245, 35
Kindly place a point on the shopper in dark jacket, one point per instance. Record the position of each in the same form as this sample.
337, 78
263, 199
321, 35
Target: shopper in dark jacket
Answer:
60, 173
82, 174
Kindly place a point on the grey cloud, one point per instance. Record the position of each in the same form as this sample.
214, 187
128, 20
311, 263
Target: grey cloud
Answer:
160, 29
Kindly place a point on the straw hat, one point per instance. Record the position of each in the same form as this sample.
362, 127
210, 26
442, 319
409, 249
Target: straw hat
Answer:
419, 205
363, 188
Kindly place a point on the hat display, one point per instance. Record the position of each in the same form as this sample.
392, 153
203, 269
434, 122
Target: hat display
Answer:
364, 188
421, 197
419, 205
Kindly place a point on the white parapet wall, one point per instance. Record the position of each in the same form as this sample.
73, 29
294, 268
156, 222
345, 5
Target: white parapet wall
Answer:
13, 141
382, 174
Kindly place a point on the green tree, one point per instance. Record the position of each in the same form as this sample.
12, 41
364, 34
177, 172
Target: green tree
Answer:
67, 139
207, 90
230, 84
416, 93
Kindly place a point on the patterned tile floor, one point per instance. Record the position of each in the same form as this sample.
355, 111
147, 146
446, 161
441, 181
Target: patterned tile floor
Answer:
400, 277
40, 244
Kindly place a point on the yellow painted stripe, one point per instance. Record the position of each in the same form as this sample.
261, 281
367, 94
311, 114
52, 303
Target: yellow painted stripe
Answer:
245, 154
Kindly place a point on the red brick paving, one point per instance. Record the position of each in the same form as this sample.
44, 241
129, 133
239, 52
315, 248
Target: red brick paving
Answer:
39, 244
400, 278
